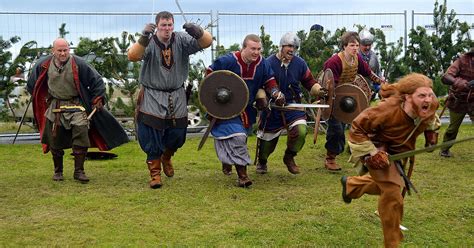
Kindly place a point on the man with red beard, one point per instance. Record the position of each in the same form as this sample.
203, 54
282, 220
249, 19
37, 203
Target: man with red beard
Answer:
391, 127
344, 65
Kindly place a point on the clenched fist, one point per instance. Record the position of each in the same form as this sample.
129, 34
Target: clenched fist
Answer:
279, 98
149, 29
377, 161
194, 30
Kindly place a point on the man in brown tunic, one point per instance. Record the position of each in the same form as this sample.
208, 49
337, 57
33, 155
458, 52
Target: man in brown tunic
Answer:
391, 127
460, 78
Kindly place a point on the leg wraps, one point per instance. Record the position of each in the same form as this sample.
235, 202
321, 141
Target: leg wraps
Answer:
296, 138
266, 148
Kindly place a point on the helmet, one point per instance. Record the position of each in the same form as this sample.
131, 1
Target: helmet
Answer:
290, 39
316, 27
366, 38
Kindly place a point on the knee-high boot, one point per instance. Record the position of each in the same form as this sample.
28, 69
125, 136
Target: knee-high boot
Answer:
79, 159
289, 161
58, 164
243, 180
330, 162
154, 166
167, 164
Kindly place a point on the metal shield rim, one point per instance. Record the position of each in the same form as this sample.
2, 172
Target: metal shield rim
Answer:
239, 79
362, 102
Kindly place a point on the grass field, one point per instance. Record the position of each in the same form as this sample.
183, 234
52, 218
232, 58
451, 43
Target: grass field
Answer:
202, 207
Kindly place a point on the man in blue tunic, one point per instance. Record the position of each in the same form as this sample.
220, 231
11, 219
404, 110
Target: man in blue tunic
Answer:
161, 113
230, 136
290, 71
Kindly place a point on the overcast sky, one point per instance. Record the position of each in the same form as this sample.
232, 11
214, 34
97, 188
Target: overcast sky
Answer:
258, 6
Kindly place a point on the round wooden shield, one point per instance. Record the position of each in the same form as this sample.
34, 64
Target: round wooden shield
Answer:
223, 94
326, 80
349, 94
360, 82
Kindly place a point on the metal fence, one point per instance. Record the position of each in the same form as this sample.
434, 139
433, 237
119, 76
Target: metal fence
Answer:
425, 20
227, 28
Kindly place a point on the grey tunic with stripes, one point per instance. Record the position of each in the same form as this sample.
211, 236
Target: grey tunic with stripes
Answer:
163, 79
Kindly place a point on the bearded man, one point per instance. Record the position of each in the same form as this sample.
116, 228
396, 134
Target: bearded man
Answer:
407, 110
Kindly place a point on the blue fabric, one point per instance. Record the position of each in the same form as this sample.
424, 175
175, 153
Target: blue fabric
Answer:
153, 141
335, 137
289, 80
255, 78
224, 128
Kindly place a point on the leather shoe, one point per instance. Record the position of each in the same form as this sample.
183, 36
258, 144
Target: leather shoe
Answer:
445, 153
261, 168
345, 198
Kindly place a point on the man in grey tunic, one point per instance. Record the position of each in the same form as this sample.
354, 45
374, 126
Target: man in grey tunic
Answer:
161, 113
369, 56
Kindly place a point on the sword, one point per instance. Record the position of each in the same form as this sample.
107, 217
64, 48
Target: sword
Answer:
298, 106
206, 134
181, 10
427, 149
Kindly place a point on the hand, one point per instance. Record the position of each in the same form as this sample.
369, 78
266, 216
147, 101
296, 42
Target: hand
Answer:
261, 103
194, 30
460, 85
279, 98
471, 84
431, 139
149, 29
97, 103
377, 161
317, 91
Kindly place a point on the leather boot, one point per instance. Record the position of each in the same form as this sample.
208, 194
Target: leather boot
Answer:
167, 164
226, 169
155, 173
261, 167
290, 162
330, 162
58, 164
243, 180
79, 159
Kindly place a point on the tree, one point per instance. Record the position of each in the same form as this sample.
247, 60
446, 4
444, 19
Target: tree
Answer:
7, 69
268, 48
431, 54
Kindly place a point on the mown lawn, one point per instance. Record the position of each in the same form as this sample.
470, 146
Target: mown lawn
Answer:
202, 207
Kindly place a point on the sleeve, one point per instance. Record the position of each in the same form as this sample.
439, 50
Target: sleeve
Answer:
217, 65
307, 80
189, 44
450, 76
334, 64
35, 73
92, 80
30, 84
363, 68
270, 82
362, 128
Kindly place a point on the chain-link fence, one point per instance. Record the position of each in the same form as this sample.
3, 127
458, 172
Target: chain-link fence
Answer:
227, 28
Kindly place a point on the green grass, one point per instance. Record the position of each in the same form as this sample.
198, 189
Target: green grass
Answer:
200, 206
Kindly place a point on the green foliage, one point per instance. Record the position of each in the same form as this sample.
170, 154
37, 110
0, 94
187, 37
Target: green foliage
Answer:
197, 71
317, 47
63, 32
268, 48
109, 58
431, 54
221, 50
